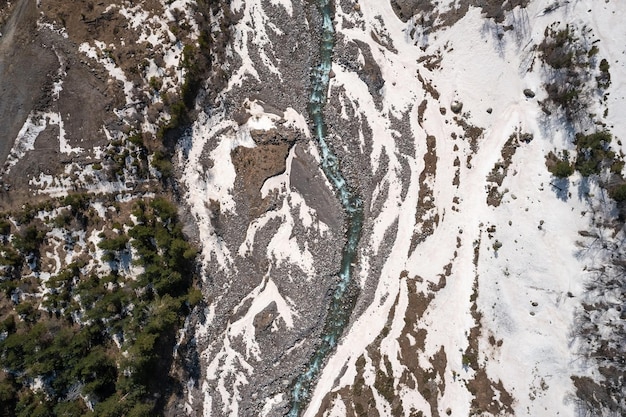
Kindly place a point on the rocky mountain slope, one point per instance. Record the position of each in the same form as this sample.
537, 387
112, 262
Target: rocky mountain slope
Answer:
172, 213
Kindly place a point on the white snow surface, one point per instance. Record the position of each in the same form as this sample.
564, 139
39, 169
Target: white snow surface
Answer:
518, 258
253, 29
528, 289
36, 123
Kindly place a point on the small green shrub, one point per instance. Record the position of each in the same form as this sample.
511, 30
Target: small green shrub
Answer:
562, 169
162, 164
597, 140
617, 167
115, 244
164, 209
77, 202
29, 240
136, 139
604, 79
604, 65
63, 219
593, 152
618, 193
10, 257
155, 83
194, 297
559, 47
5, 227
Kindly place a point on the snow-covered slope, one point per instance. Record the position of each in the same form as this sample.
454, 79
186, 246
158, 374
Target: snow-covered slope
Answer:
474, 261
484, 139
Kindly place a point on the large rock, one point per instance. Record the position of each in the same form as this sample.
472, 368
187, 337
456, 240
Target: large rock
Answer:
405, 9
456, 106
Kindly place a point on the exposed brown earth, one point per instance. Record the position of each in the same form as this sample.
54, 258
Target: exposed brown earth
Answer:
254, 166
425, 217
430, 16
489, 396
25, 65
359, 399
501, 168
40, 47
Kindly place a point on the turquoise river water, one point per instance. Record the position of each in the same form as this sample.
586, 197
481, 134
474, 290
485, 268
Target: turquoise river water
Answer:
343, 299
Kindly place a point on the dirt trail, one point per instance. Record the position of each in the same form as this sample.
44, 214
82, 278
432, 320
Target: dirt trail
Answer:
24, 67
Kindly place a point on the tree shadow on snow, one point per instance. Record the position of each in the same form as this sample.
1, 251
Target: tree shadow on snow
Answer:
583, 189
560, 186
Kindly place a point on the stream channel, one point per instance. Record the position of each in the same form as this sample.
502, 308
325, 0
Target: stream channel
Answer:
343, 299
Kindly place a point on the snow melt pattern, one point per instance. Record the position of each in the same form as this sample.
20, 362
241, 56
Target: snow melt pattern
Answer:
469, 272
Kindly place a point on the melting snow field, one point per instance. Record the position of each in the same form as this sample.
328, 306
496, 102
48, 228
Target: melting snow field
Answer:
474, 261
529, 288
465, 218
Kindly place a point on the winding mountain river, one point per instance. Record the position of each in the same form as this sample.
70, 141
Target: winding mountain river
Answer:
343, 300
